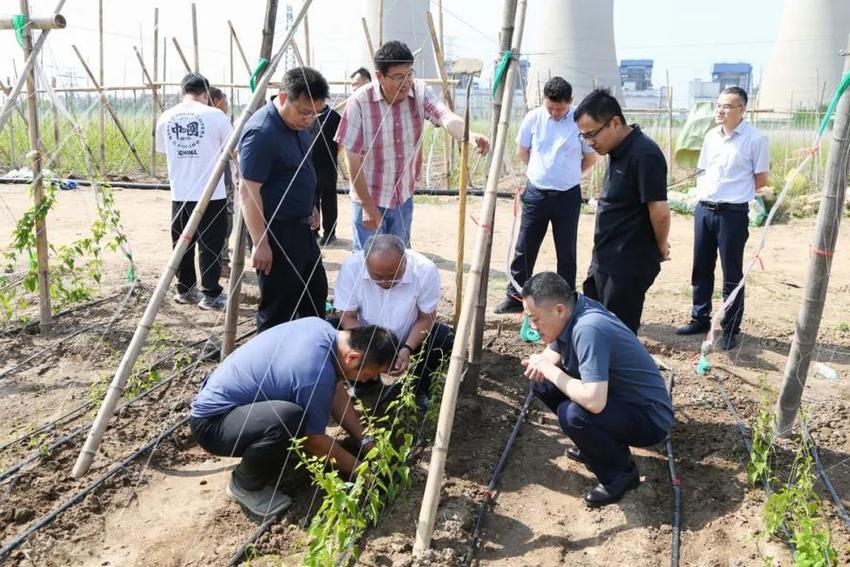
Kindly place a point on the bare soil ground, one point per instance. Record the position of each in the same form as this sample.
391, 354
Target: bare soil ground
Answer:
169, 508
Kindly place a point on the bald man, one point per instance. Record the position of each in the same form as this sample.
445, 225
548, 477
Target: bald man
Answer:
386, 284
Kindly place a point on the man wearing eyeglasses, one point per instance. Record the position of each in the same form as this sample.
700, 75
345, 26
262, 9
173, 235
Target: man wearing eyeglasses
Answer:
278, 193
388, 285
736, 160
632, 218
382, 129
548, 143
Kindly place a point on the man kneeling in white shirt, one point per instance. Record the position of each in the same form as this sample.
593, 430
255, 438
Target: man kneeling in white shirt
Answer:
399, 289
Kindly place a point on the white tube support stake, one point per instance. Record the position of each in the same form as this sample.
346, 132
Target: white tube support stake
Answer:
116, 387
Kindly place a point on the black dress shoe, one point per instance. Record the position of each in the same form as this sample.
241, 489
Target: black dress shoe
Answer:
695, 327
604, 494
509, 305
574, 454
728, 342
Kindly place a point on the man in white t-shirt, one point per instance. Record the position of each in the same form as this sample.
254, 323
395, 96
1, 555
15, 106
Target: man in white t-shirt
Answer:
398, 289
555, 156
736, 160
191, 135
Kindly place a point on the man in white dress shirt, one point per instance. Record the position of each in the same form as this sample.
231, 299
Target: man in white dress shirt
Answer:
735, 157
548, 143
386, 284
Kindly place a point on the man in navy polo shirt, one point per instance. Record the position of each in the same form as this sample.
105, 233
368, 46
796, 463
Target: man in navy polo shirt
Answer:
599, 380
736, 160
632, 218
286, 383
549, 144
278, 193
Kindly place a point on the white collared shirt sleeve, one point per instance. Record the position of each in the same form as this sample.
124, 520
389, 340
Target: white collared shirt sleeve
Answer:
345, 289
429, 288
526, 131
761, 154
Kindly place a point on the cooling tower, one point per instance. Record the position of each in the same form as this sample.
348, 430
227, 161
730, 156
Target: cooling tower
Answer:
573, 39
406, 21
811, 34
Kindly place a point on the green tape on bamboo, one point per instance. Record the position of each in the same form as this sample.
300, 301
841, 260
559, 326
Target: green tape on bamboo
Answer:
19, 24
502, 69
526, 332
258, 70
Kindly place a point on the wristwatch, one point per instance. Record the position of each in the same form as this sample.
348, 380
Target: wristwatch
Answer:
409, 348
367, 440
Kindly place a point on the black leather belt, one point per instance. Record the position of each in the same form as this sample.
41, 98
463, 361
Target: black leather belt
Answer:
725, 206
293, 220
550, 192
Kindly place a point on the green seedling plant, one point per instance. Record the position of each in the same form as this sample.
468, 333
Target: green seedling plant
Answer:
759, 467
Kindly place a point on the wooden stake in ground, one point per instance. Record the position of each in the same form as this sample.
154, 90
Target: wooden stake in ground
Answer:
237, 257
110, 110
119, 380
37, 150
431, 498
820, 263
468, 68
470, 383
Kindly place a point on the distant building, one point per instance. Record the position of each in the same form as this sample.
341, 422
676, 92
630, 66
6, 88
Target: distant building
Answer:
703, 91
636, 74
733, 75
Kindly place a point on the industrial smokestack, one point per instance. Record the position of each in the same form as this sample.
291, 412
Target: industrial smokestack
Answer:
574, 39
806, 55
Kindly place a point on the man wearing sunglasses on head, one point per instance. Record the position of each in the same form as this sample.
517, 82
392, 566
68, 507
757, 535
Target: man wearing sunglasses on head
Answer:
632, 218
382, 129
399, 289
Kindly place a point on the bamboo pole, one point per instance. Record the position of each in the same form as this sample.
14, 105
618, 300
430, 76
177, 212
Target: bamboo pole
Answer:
57, 135
232, 77
54, 22
237, 257
239, 47
669, 130
307, 57
151, 85
297, 53
440, 24
380, 23
102, 114
431, 498
195, 37
441, 68
119, 380
164, 63
461, 212
36, 149
111, 111
369, 45
470, 383
820, 263
182, 56
153, 89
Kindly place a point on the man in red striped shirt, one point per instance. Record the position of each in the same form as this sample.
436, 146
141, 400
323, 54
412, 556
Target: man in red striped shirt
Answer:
382, 130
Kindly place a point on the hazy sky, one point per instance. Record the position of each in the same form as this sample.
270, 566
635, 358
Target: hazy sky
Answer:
685, 37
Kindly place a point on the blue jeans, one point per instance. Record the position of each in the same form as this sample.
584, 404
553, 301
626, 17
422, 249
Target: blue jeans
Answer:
603, 438
393, 221
725, 229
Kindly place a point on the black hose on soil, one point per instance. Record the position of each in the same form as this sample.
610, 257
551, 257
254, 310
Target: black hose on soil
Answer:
842, 510
489, 496
53, 514
677, 505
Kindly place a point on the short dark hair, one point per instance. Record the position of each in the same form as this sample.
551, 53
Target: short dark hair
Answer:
216, 93
304, 81
363, 72
557, 89
392, 53
737, 91
194, 84
600, 105
547, 287
377, 344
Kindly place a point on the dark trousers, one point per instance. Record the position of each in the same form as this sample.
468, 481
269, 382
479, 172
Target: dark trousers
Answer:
297, 285
260, 433
724, 228
539, 208
603, 438
326, 199
623, 296
208, 238
431, 352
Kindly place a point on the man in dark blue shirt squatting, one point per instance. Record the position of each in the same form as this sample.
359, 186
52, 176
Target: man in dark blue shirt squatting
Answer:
600, 381
632, 218
278, 193
283, 384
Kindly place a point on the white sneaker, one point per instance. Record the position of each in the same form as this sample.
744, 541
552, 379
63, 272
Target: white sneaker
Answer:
263, 502
191, 297
213, 303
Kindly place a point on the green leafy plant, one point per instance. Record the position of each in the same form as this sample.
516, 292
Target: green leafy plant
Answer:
759, 466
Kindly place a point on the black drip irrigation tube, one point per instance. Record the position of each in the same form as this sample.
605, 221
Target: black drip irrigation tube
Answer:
489, 496
53, 514
842, 510
677, 505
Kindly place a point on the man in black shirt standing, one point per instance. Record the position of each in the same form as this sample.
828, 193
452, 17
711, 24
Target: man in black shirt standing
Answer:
632, 219
324, 156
